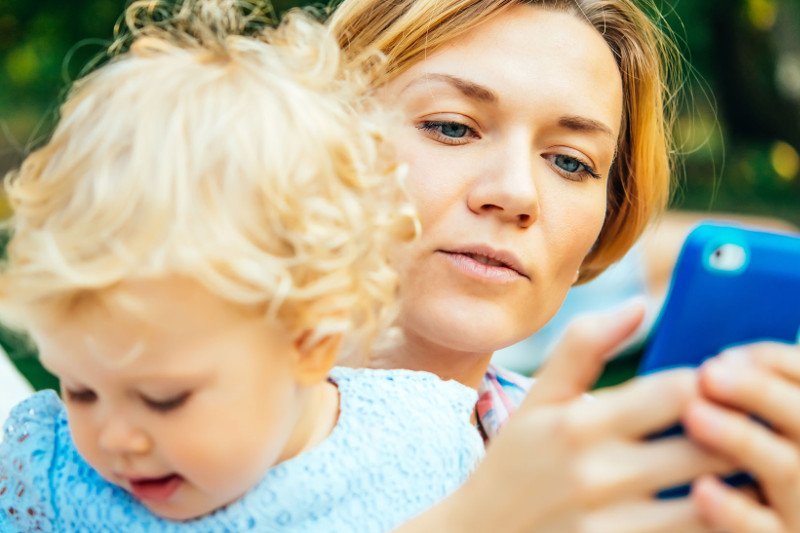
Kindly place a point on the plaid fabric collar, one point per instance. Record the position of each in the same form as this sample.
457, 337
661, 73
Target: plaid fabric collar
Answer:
499, 395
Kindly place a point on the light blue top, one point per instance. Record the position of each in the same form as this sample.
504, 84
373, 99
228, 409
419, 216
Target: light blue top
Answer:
402, 442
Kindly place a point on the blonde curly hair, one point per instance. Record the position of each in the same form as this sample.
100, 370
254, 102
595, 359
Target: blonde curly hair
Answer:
243, 156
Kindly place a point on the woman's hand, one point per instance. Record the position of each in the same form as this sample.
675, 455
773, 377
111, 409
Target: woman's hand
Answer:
762, 379
568, 463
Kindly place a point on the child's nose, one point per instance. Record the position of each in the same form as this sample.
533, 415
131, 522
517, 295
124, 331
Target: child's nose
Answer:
119, 436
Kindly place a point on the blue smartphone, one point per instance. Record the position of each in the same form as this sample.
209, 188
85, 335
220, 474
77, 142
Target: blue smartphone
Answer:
731, 285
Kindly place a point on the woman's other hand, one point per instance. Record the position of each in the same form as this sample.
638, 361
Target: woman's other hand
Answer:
566, 462
762, 379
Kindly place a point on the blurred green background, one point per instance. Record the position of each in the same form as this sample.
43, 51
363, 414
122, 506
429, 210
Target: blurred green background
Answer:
738, 132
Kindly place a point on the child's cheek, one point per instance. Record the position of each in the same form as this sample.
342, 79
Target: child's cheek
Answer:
86, 439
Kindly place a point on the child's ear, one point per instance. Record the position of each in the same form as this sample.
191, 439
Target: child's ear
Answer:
315, 361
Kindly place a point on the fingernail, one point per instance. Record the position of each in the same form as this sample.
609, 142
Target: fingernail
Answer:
709, 490
735, 355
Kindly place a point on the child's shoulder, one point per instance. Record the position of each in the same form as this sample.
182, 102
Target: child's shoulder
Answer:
38, 411
34, 423
27, 452
394, 408
403, 441
417, 389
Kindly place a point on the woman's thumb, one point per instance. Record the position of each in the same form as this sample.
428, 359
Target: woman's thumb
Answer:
578, 359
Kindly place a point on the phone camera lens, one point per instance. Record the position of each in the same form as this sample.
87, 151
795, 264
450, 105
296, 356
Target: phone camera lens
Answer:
728, 258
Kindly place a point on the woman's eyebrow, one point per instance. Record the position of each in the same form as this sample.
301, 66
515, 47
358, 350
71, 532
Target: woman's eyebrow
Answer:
470, 89
584, 124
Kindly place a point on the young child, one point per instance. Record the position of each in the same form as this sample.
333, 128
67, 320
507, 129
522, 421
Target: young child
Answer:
211, 217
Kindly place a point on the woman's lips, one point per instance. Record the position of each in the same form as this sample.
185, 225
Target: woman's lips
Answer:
155, 489
481, 267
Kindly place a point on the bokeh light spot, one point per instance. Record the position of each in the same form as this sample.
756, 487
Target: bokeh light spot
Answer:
761, 13
23, 65
785, 160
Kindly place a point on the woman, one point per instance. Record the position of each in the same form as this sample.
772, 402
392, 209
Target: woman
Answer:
536, 143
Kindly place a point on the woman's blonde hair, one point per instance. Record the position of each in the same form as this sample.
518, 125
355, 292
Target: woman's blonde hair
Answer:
243, 157
406, 31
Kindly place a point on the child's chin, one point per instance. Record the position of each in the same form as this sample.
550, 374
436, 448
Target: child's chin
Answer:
176, 512
183, 511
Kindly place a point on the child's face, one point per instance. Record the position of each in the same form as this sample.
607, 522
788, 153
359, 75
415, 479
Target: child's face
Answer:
184, 402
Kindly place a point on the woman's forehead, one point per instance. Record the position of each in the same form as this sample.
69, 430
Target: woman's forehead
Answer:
527, 55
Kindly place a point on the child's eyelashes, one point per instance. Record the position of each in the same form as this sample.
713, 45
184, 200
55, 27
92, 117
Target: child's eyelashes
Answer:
448, 131
170, 404
84, 396
88, 396
572, 167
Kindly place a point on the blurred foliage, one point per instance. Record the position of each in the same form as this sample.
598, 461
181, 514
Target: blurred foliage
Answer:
739, 130
44, 46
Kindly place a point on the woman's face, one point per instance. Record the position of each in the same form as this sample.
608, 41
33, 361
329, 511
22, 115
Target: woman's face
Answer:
510, 132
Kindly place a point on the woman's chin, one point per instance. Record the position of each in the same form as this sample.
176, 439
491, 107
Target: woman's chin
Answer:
479, 328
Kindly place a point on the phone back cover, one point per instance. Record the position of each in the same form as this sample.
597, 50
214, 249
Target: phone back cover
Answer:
708, 310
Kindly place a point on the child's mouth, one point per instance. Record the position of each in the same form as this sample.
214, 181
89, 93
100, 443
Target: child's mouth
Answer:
155, 489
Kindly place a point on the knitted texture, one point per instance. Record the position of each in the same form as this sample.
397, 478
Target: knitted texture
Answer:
402, 442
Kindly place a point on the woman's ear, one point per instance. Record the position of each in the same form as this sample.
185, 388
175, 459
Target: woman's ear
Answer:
315, 360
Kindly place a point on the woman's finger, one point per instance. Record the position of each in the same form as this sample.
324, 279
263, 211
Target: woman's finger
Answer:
646, 516
773, 459
782, 357
753, 388
637, 408
726, 509
578, 359
630, 469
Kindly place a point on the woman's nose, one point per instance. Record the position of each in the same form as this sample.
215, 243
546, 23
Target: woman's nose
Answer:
507, 190
120, 436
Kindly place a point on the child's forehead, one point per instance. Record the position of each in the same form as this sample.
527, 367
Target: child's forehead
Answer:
111, 345
152, 327
135, 315
159, 305
93, 362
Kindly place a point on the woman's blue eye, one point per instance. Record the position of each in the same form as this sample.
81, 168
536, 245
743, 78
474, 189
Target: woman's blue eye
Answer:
453, 129
570, 164
448, 132
573, 168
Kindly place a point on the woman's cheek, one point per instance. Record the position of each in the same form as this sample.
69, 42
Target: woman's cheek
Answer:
427, 191
581, 225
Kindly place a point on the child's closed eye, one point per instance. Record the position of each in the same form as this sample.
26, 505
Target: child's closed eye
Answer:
85, 396
168, 404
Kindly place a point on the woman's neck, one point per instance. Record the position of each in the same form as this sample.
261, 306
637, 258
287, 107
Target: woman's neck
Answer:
417, 353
